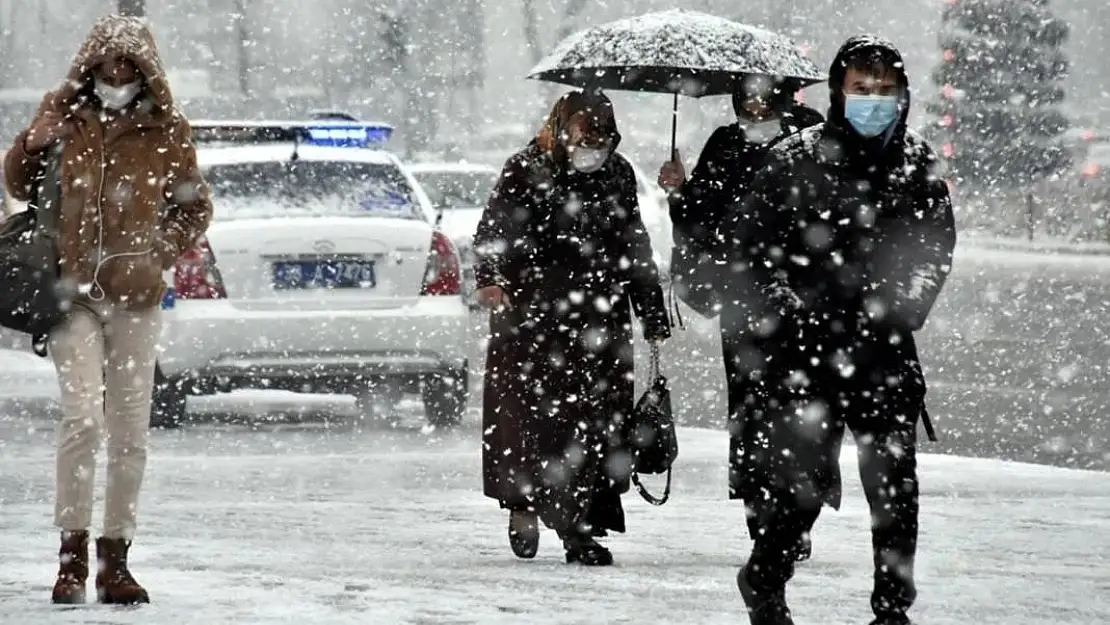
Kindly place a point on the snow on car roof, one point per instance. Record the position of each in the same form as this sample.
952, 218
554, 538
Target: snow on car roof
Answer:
426, 167
272, 152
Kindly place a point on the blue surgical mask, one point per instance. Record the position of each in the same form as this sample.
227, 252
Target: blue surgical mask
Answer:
870, 115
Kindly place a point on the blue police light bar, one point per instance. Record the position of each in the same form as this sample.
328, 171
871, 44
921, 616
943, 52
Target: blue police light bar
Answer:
326, 133
348, 135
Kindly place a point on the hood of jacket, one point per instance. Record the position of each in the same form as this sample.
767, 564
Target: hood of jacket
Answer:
118, 36
891, 57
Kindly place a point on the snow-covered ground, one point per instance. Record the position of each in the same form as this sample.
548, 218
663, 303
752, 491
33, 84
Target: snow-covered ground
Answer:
335, 523
328, 525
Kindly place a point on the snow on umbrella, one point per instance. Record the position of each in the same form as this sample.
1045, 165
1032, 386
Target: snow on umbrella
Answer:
677, 51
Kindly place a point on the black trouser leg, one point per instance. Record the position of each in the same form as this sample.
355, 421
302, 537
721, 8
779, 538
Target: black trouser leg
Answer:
771, 564
795, 461
743, 393
888, 469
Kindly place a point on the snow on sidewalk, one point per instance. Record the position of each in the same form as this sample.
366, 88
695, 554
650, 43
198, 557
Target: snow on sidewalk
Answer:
329, 526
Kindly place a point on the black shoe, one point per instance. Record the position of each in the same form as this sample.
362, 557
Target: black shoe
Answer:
585, 550
524, 534
763, 609
896, 619
804, 550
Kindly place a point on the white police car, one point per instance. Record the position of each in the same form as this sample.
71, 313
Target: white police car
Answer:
321, 272
459, 192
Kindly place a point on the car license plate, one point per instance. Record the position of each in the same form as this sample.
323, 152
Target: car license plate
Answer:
324, 274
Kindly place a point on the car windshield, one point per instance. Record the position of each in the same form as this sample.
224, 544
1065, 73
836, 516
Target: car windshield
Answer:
310, 189
457, 189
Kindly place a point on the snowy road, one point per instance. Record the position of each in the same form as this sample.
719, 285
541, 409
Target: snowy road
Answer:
329, 525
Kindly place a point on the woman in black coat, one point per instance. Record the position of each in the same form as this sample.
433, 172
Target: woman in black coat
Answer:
563, 261
766, 114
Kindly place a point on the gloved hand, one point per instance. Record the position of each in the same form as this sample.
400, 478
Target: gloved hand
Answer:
783, 299
672, 174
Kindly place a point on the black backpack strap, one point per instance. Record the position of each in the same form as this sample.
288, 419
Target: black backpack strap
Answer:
648, 497
928, 423
47, 193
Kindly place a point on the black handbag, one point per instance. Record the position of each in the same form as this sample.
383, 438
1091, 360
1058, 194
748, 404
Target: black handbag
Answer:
651, 437
32, 299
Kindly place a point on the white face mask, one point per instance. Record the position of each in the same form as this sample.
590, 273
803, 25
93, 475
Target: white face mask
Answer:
588, 160
116, 97
761, 132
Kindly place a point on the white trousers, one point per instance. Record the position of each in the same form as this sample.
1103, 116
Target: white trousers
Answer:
104, 356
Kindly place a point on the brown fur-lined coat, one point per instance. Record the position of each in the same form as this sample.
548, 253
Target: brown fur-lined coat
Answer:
131, 191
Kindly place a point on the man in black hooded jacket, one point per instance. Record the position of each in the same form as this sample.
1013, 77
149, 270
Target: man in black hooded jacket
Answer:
847, 239
766, 114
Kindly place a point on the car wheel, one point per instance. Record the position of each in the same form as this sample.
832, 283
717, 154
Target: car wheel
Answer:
167, 406
444, 398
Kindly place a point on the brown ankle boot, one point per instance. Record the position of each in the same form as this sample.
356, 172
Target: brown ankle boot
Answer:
73, 568
114, 583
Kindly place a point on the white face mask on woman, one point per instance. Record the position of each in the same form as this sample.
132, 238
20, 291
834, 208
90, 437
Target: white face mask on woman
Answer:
761, 132
116, 97
588, 160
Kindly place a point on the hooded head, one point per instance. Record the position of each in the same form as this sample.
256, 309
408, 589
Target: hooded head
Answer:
758, 97
762, 103
118, 51
581, 131
868, 88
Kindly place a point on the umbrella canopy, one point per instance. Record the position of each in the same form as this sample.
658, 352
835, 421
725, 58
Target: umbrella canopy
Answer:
678, 51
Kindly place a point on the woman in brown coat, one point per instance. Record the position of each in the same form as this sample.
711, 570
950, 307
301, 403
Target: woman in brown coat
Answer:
132, 201
564, 259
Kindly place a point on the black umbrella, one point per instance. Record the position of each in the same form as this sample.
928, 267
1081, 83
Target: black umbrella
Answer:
678, 51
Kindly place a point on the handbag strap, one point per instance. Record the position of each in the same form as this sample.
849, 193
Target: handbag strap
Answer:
648, 497
673, 311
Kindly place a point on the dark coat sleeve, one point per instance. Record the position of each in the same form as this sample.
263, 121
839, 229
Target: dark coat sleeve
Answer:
695, 206
492, 238
914, 255
645, 293
696, 210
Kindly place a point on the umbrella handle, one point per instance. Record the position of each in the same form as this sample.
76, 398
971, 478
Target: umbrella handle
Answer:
674, 129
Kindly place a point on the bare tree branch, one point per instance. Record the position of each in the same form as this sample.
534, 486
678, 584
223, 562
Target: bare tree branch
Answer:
531, 31
132, 7
573, 9
242, 30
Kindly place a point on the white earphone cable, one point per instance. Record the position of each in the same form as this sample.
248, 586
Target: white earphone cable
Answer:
96, 291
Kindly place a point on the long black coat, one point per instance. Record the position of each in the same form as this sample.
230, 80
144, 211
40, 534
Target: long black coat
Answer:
847, 244
701, 273
722, 177
572, 253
